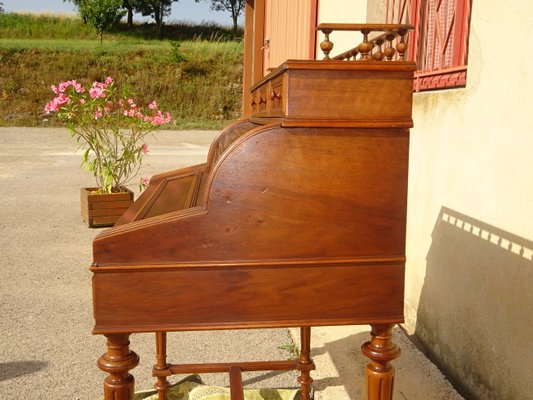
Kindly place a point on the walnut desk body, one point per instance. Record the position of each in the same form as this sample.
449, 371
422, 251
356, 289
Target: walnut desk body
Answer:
297, 219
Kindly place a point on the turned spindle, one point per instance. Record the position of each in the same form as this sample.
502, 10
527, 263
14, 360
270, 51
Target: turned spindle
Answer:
378, 55
305, 379
390, 50
366, 47
161, 365
326, 46
402, 46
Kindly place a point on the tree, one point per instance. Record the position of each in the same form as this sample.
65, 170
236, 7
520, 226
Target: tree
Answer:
235, 7
101, 14
129, 8
1, 7
126, 4
157, 9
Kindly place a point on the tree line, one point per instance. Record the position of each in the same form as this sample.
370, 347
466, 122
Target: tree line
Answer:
103, 14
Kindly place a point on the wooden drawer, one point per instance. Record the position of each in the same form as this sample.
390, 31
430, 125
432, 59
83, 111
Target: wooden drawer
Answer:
367, 94
253, 102
277, 96
269, 99
260, 98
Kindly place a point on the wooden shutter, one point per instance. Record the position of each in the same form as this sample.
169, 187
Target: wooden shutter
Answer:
440, 42
289, 31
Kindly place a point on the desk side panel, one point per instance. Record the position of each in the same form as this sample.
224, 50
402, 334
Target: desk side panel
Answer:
242, 297
284, 193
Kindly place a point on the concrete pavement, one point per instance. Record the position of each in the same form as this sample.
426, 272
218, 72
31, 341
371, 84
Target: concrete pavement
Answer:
47, 350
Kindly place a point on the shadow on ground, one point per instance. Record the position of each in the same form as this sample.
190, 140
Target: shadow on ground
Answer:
10, 370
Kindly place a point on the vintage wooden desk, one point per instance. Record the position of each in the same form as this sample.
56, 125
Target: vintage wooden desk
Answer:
297, 219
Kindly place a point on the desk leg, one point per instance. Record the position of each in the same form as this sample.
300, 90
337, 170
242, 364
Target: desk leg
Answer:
162, 383
305, 379
379, 372
117, 361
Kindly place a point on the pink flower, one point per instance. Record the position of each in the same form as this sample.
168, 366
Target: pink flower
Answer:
152, 105
145, 149
56, 103
50, 107
63, 86
132, 104
160, 119
82, 101
98, 89
96, 92
145, 181
98, 114
77, 87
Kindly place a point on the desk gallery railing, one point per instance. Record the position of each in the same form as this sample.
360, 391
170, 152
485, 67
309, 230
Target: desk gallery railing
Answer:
389, 45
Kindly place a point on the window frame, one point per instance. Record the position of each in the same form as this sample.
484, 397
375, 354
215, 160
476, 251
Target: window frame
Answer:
450, 43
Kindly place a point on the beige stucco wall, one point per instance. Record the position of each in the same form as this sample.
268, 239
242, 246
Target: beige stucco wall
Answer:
469, 282
376, 11
469, 278
341, 11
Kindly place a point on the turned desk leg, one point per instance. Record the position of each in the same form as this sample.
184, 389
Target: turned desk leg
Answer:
305, 379
379, 372
117, 361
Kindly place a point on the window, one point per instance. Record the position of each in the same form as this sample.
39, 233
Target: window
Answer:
439, 42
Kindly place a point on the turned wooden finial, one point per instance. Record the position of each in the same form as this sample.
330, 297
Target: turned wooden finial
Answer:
366, 47
402, 46
326, 46
390, 50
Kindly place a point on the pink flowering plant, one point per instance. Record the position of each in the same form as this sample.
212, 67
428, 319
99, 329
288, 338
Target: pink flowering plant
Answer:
110, 127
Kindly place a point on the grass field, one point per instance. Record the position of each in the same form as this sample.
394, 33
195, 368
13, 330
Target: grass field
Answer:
197, 80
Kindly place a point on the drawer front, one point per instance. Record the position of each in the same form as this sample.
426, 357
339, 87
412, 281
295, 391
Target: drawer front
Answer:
254, 102
277, 96
270, 99
262, 100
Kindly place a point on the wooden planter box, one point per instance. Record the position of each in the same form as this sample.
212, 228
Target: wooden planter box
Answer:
101, 210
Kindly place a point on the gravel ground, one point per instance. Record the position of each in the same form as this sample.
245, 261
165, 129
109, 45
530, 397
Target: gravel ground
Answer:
47, 350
